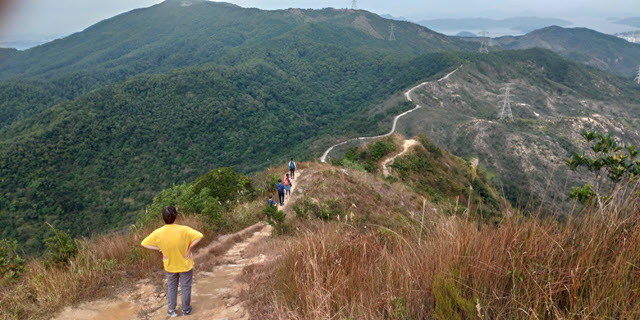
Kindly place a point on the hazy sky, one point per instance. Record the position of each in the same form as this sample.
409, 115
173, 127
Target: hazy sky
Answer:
67, 16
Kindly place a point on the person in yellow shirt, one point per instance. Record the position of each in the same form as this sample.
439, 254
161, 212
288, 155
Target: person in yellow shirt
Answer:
175, 242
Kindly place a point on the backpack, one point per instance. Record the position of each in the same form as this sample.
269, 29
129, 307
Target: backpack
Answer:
292, 165
286, 182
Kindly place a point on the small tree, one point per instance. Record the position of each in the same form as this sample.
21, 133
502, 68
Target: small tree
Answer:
610, 164
61, 248
11, 264
276, 218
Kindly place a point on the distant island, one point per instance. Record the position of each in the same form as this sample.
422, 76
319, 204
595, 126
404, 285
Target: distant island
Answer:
633, 21
521, 24
466, 34
390, 17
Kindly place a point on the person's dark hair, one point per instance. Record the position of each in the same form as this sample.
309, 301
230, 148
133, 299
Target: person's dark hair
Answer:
279, 180
169, 214
287, 174
270, 197
291, 159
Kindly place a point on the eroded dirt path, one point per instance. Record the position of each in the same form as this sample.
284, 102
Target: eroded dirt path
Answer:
386, 171
215, 290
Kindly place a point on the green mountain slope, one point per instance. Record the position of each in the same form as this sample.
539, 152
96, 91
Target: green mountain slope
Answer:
90, 164
583, 45
168, 35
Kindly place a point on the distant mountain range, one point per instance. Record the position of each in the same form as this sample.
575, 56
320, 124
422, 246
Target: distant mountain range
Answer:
26, 41
521, 24
583, 45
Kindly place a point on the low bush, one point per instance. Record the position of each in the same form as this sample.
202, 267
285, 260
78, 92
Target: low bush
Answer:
11, 263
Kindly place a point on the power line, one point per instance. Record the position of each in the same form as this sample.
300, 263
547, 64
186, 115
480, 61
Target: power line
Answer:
484, 46
505, 112
354, 5
392, 35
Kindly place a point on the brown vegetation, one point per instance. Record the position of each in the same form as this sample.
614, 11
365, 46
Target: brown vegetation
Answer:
454, 268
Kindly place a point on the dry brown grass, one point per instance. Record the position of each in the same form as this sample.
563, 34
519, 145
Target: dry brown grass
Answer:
102, 264
525, 268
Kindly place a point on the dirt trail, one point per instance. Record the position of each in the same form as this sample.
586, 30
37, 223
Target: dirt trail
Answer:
215, 292
407, 95
405, 147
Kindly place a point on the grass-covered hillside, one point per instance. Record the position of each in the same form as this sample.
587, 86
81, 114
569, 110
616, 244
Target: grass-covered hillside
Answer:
554, 101
431, 172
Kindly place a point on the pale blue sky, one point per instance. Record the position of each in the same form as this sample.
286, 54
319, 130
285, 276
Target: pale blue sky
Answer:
68, 16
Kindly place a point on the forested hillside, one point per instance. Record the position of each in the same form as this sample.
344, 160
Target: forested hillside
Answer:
170, 35
91, 163
94, 124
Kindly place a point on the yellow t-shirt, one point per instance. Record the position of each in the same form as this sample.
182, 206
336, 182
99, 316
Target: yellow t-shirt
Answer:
173, 240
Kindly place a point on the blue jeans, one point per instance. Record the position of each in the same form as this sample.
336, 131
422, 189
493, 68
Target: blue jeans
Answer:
172, 284
281, 198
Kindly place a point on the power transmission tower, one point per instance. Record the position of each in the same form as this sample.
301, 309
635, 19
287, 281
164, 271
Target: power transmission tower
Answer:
638, 76
354, 5
484, 47
392, 35
505, 112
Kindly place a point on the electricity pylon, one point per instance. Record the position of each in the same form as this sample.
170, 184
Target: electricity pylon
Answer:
354, 5
505, 112
484, 47
392, 35
638, 76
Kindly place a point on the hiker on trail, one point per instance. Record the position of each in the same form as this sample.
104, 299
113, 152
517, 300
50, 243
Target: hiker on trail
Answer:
287, 185
280, 188
271, 202
292, 168
175, 242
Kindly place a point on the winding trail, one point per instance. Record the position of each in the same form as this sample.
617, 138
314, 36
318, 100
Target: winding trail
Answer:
407, 95
215, 292
405, 147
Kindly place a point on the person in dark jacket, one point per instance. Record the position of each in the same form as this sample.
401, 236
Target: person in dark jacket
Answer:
280, 187
271, 202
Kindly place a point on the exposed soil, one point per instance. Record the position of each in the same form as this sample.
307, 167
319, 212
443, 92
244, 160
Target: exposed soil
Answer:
405, 147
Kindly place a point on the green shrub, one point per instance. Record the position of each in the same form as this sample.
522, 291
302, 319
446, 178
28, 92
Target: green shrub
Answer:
609, 165
584, 194
61, 248
11, 264
434, 149
276, 218
187, 200
450, 301
223, 184
381, 148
